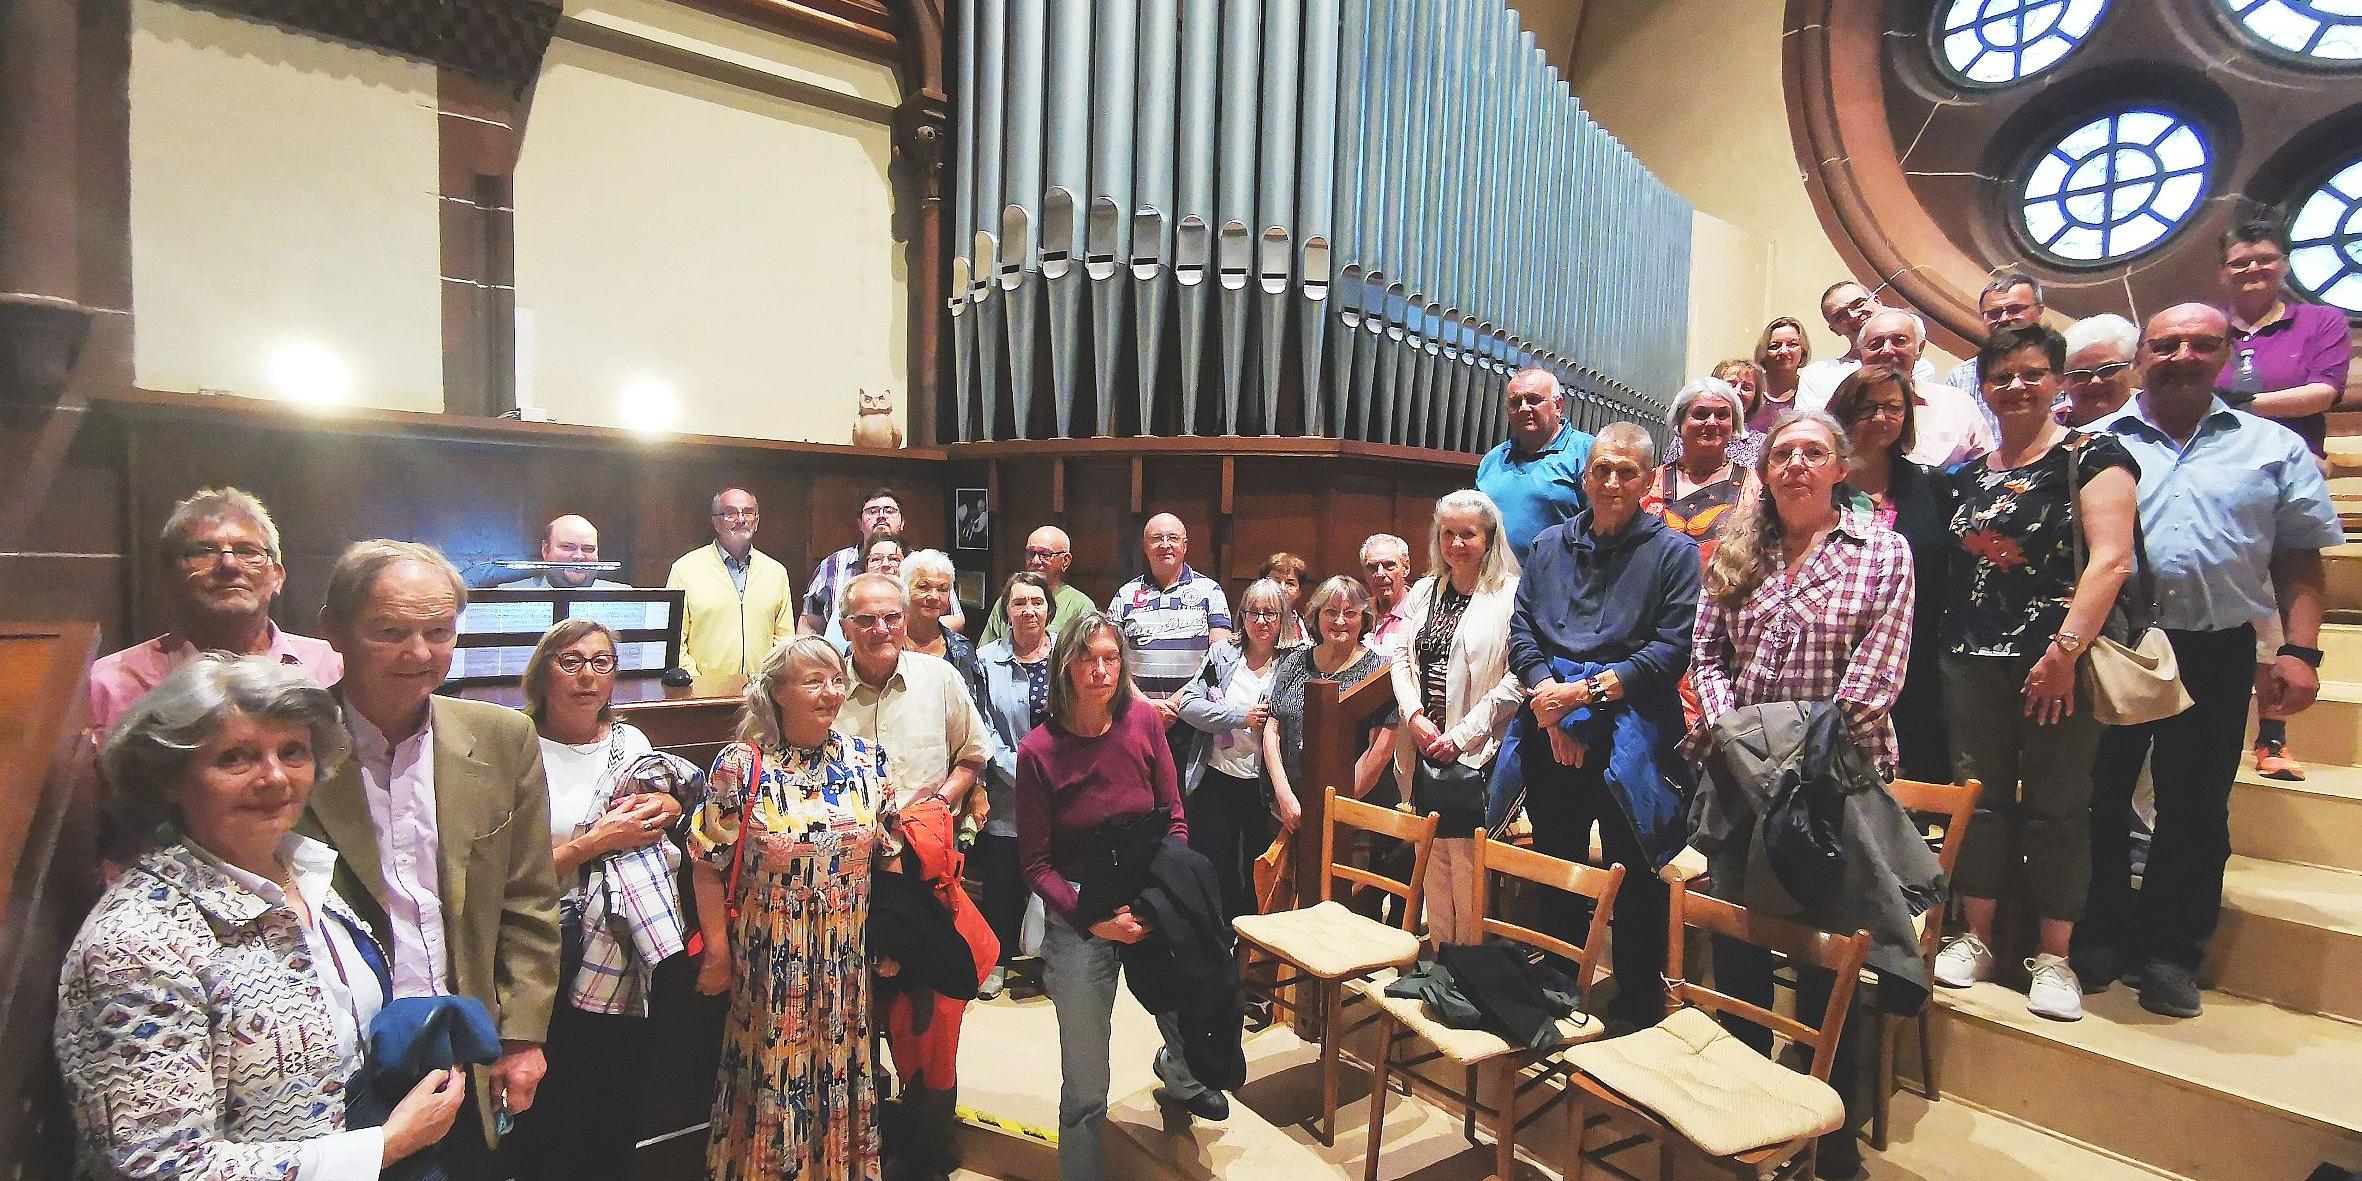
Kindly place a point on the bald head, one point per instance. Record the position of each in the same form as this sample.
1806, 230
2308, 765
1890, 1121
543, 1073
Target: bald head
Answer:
2182, 352
1534, 409
570, 539
1048, 552
1164, 540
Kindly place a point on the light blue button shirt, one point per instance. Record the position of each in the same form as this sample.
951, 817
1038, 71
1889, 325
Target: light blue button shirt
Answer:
2214, 512
1537, 491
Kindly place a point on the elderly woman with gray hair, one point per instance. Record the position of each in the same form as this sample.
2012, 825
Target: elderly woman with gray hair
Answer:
1706, 465
783, 843
212, 1011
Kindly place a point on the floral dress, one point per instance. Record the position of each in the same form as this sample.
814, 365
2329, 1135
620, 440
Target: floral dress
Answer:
797, 1099
2016, 529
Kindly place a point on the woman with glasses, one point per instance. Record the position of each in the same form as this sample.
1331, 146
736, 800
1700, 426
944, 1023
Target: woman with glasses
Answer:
1098, 760
1807, 599
783, 842
930, 576
1228, 797
1290, 571
1340, 612
610, 837
1914, 500
2022, 609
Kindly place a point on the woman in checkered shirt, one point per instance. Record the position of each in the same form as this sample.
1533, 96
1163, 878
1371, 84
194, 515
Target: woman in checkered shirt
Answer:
1806, 600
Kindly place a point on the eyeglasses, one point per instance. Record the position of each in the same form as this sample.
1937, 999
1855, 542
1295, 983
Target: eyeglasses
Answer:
2096, 372
203, 554
2025, 377
1168, 539
1039, 554
833, 682
574, 662
1894, 411
889, 621
1258, 615
1808, 454
738, 514
2166, 346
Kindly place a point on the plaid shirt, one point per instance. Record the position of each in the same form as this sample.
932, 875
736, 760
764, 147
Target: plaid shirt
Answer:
632, 917
1838, 628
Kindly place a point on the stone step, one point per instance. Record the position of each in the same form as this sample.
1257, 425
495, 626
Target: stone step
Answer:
2330, 733
2341, 652
2316, 822
2290, 935
2244, 1091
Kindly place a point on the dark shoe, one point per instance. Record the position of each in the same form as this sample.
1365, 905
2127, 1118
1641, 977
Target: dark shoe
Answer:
2096, 967
2169, 989
1839, 1157
1212, 1106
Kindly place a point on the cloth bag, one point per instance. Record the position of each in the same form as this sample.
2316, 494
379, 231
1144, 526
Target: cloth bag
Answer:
2135, 679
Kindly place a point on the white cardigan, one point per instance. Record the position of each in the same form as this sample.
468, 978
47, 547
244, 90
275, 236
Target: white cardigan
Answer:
1481, 696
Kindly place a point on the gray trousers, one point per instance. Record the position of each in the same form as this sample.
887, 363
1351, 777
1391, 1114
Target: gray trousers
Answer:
1080, 972
2036, 800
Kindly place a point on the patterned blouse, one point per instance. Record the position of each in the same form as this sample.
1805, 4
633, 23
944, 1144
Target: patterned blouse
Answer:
2016, 528
1839, 628
195, 1038
802, 791
1434, 648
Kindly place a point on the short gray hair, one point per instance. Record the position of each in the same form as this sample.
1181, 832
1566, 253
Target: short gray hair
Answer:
854, 584
2106, 328
758, 710
151, 750
215, 504
1628, 436
1401, 546
929, 561
1706, 387
356, 572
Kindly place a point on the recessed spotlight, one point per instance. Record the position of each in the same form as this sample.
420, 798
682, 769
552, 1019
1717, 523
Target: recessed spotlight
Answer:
309, 373
648, 405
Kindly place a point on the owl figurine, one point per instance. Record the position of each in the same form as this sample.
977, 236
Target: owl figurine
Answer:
873, 423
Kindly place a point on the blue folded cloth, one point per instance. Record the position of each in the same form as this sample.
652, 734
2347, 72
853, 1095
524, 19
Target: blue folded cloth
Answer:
1637, 737
408, 1038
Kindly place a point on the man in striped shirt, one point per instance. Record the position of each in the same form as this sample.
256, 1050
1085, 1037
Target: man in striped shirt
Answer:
1171, 616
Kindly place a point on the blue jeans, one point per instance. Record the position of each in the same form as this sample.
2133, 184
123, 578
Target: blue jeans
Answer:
1079, 972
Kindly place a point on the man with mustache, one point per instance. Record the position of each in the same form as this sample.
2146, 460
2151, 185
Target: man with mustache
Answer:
2231, 504
221, 556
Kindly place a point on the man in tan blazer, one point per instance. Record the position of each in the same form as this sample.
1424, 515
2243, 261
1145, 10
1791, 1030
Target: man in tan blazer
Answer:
440, 821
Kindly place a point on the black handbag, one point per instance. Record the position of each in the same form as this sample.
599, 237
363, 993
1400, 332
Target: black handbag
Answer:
1454, 791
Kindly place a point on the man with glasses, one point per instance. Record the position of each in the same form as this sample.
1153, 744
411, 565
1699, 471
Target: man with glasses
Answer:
881, 512
2013, 300
221, 557
1536, 474
913, 705
2099, 375
2230, 504
1049, 553
1946, 429
737, 601
1846, 308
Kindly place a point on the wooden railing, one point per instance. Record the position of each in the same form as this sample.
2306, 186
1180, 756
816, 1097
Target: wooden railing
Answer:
48, 878
1334, 715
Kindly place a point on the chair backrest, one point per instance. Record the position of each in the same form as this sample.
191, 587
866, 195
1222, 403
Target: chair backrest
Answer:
1951, 805
1599, 885
1416, 831
1841, 954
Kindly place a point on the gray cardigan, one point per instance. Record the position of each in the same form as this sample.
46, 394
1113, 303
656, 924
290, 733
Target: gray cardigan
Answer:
1206, 709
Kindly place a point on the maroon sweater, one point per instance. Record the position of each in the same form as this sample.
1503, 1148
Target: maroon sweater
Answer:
1067, 785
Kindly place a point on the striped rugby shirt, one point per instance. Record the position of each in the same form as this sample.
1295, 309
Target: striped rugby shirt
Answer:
1169, 629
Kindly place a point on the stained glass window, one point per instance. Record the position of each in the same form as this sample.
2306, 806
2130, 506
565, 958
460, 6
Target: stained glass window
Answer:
2114, 187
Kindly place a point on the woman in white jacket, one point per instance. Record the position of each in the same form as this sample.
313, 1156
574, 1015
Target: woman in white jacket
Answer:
1452, 681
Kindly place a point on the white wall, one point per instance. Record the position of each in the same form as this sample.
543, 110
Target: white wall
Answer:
282, 194
731, 245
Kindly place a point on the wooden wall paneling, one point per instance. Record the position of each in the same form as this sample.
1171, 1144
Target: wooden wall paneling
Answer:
60, 550
1104, 529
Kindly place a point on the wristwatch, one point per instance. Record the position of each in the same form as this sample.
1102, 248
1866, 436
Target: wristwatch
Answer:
2311, 656
1598, 689
2069, 642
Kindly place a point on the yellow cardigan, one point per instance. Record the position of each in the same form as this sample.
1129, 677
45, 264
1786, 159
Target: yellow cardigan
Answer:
725, 634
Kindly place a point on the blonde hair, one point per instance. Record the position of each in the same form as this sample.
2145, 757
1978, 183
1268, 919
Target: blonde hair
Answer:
758, 711
1751, 538
1500, 564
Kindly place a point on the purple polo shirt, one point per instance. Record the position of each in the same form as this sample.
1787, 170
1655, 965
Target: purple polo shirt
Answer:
2308, 344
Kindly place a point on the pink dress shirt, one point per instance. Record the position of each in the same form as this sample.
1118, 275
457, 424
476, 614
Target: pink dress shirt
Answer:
118, 681
1946, 427
1388, 634
398, 779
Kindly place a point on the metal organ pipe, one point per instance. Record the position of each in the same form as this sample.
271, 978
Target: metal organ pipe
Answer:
1386, 206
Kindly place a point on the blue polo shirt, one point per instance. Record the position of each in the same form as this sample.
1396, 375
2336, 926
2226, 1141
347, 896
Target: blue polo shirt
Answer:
1536, 491
2213, 513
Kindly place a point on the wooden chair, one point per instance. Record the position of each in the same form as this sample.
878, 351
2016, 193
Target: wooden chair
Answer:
1324, 945
1745, 1072
1478, 1052
1950, 806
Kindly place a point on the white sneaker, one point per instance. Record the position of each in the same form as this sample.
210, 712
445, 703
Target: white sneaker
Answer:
994, 982
1963, 962
2054, 993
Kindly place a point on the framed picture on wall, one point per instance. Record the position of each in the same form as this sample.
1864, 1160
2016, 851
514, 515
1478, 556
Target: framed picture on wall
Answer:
971, 520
